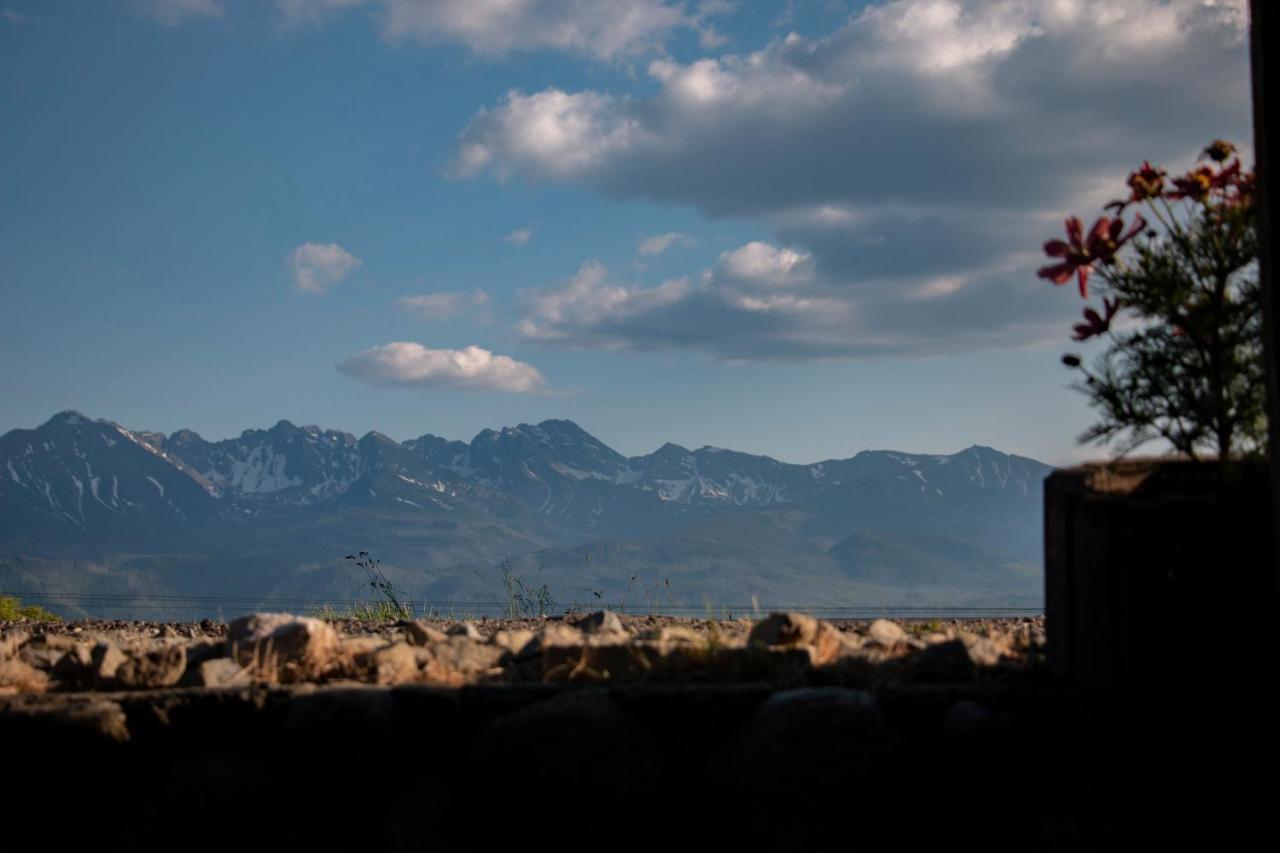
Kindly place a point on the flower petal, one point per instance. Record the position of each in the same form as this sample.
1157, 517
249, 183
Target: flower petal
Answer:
1057, 273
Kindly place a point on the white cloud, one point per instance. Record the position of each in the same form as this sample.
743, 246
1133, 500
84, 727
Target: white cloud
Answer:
552, 133
910, 163
317, 267
520, 236
445, 305
174, 12
759, 263
924, 100
739, 309
588, 304
600, 29
659, 243
471, 369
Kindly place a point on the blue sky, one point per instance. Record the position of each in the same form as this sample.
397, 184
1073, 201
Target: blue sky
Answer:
800, 229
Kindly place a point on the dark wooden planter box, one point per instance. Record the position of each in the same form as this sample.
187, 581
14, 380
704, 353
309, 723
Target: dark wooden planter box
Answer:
1159, 573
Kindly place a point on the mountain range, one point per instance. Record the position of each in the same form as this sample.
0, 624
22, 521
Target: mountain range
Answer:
89, 507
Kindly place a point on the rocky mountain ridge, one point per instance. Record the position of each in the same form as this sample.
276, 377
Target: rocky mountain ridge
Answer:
265, 508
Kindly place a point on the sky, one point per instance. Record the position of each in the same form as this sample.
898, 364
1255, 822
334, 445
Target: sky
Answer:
801, 229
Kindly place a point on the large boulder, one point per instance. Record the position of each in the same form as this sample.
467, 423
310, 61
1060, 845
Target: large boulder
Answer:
822, 640
279, 646
459, 660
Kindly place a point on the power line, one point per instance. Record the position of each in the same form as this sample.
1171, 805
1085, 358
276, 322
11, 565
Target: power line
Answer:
170, 602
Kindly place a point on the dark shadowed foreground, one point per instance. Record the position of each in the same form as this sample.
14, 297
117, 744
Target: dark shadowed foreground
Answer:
611, 731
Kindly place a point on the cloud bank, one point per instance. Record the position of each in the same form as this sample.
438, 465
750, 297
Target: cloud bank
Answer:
472, 368
909, 165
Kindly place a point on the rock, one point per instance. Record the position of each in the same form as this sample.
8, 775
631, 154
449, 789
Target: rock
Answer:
941, 663
559, 634
75, 669
162, 667
465, 629
16, 676
822, 640
601, 622
579, 741
202, 650
886, 633
420, 633
358, 647
606, 661
804, 742
674, 635
394, 664
168, 632
281, 646
217, 672
784, 629
459, 660
43, 651
985, 651
513, 640
966, 717
105, 660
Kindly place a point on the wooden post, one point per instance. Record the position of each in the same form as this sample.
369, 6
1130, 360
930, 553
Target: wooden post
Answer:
1265, 29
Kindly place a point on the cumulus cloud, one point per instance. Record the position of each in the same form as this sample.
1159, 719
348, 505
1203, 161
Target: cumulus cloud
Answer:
470, 369
925, 100
317, 267
725, 313
520, 236
761, 264
659, 243
914, 159
446, 305
601, 29
174, 12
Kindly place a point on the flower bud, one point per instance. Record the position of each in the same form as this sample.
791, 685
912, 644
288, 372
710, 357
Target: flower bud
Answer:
1219, 150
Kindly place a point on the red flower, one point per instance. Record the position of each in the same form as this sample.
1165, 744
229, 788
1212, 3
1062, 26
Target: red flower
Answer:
1195, 184
1075, 257
1095, 323
1146, 183
1227, 177
1079, 254
1105, 239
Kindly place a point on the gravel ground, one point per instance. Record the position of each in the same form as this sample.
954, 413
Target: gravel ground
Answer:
783, 648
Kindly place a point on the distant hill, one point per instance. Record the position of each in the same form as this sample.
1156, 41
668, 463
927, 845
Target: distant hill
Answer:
91, 507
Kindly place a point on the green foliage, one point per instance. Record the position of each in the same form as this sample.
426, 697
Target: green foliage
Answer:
1197, 379
12, 609
363, 611
522, 599
1188, 367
